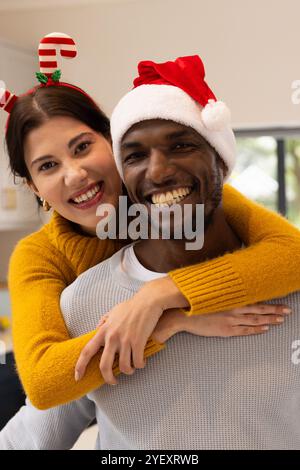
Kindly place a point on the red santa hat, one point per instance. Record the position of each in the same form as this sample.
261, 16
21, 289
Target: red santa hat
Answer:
175, 91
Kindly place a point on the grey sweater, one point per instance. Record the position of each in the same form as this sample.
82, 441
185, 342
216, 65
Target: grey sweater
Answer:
54, 429
200, 392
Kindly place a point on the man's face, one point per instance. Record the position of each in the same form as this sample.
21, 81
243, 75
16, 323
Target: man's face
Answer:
168, 163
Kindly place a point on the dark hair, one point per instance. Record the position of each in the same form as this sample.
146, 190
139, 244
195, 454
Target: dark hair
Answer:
31, 111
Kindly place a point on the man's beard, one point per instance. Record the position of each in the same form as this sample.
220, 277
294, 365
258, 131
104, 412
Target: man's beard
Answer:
216, 196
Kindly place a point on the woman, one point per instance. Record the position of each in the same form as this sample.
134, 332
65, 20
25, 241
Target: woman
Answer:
68, 133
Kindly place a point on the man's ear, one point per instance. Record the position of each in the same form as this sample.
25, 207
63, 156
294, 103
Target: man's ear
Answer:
224, 168
222, 165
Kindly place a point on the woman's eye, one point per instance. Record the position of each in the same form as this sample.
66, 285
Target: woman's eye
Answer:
82, 147
46, 166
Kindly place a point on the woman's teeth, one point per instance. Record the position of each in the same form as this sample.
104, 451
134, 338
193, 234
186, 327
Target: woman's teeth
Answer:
88, 195
170, 197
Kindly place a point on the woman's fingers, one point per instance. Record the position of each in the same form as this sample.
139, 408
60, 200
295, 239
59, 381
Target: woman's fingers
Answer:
125, 359
263, 309
102, 320
248, 330
107, 362
138, 350
87, 353
252, 324
257, 320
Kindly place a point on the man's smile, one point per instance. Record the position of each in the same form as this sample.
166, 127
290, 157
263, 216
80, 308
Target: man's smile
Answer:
167, 196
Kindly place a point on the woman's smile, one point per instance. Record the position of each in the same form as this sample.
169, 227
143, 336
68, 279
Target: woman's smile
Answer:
88, 197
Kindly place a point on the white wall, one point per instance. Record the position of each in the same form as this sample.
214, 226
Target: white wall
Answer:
17, 67
251, 48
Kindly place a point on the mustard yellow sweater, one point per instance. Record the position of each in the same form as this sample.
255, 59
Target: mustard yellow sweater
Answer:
44, 263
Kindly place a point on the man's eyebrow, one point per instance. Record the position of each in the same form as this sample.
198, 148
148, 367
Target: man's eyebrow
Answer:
176, 134
70, 144
187, 134
170, 136
130, 145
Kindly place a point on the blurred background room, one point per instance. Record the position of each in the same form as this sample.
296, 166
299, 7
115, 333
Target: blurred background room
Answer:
251, 53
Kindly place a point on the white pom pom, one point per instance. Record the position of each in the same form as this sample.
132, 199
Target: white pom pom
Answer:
215, 115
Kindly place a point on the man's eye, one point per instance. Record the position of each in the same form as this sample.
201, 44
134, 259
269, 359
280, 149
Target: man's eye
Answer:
183, 146
46, 166
82, 147
134, 156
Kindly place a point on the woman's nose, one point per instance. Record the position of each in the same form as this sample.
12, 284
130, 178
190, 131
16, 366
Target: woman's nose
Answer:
159, 167
75, 175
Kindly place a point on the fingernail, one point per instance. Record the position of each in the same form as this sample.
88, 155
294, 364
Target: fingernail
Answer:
265, 328
280, 319
77, 376
287, 310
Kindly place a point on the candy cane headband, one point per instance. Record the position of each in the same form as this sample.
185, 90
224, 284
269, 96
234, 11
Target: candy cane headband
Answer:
48, 75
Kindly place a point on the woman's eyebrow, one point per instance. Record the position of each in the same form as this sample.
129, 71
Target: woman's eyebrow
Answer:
45, 157
70, 144
78, 137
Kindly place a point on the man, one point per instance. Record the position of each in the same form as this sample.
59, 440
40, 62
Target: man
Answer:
198, 393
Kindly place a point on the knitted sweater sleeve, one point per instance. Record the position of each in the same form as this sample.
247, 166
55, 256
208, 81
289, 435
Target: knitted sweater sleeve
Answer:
45, 355
267, 268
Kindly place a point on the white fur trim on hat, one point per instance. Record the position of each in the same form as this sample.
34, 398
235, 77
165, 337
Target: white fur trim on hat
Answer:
172, 103
215, 115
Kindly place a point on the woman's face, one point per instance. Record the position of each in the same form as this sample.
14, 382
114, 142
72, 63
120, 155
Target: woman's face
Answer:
73, 169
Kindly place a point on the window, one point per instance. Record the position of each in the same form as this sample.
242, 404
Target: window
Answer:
268, 169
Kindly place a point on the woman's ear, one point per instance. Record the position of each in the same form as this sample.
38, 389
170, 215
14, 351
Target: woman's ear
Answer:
32, 187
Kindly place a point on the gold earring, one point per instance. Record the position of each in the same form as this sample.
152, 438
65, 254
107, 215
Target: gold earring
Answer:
46, 205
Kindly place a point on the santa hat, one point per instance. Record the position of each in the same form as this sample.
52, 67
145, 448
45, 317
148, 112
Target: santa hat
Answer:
175, 91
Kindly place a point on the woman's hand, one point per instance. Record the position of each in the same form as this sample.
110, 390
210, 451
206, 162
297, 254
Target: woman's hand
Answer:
249, 320
128, 327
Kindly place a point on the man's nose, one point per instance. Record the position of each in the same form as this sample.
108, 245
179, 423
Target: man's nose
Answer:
75, 175
159, 167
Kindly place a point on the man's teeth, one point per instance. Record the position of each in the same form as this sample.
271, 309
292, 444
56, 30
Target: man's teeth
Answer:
170, 197
88, 195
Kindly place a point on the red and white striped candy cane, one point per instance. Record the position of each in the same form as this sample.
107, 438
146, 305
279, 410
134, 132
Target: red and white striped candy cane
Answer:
48, 51
7, 99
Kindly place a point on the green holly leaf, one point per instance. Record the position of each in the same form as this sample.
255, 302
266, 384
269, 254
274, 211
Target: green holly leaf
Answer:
42, 78
56, 75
